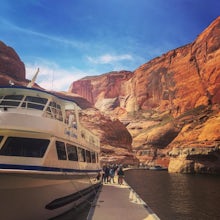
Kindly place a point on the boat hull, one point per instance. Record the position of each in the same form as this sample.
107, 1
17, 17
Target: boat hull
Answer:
41, 196
48, 160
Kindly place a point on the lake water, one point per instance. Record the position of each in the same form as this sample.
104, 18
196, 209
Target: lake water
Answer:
178, 196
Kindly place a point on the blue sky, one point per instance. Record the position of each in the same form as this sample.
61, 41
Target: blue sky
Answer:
70, 39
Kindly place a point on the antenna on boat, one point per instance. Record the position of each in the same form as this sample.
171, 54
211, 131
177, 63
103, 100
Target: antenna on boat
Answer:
52, 80
31, 83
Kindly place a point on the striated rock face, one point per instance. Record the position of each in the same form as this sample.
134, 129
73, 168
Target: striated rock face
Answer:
203, 159
177, 81
183, 78
196, 149
167, 103
10, 63
103, 91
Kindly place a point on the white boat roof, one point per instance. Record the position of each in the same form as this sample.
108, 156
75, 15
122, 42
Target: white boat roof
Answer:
42, 93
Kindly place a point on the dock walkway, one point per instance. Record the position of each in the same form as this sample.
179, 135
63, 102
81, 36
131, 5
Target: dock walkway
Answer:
118, 202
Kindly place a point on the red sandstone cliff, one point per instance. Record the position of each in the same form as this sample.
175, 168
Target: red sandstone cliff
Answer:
11, 67
170, 104
103, 91
10, 63
179, 80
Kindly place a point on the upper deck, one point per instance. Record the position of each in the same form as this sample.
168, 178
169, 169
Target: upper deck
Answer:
32, 109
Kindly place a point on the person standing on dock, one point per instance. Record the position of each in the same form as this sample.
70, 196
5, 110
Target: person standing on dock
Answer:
103, 173
112, 174
120, 175
106, 174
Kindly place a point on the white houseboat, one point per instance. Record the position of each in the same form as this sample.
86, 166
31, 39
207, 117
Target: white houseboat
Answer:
48, 161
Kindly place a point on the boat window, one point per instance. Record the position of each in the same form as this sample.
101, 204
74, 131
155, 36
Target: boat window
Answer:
11, 100
34, 99
24, 147
70, 119
88, 156
61, 151
53, 104
34, 102
49, 114
14, 97
72, 152
93, 157
54, 110
1, 137
97, 158
81, 154
59, 115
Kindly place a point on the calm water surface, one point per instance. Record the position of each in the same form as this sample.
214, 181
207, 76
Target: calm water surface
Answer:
178, 196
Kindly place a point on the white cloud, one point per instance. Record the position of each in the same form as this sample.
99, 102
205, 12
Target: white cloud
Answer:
109, 59
52, 77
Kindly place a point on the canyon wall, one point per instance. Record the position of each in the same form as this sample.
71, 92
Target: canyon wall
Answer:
165, 112
10, 64
168, 104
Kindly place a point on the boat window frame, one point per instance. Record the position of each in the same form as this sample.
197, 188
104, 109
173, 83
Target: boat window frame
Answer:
81, 154
11, 101
72, 155
93, 157
88, 156
97, 157
61, 150
54, 110
30, 102
23, 147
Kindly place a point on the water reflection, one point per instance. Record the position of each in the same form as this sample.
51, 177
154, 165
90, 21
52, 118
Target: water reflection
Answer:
180, 193
178, 196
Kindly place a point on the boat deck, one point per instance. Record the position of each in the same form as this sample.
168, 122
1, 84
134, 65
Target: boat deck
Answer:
116, 202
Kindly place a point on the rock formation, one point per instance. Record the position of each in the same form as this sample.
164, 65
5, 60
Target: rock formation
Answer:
104, 91
10, 64
168, 104
167, 111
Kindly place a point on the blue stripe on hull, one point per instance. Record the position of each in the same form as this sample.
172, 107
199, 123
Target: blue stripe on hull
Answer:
43, 168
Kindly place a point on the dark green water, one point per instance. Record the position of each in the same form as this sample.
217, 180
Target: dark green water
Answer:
178, 196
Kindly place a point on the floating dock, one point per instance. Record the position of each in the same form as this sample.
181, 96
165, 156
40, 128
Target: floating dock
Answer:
117, 202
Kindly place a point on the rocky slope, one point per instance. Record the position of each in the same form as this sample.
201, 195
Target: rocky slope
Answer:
169, 104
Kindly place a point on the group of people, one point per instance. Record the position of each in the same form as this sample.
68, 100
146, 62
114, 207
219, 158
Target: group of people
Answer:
109, 172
